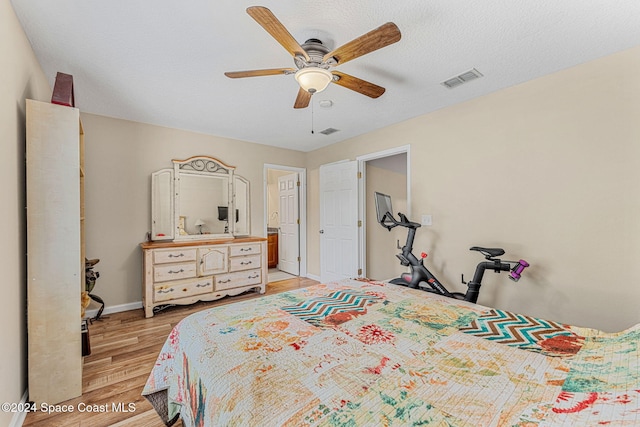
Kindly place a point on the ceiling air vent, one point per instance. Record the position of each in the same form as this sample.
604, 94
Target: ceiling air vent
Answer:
462, 78
329, 131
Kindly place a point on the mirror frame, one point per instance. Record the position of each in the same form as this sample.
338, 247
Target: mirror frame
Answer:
198, 166
238, 201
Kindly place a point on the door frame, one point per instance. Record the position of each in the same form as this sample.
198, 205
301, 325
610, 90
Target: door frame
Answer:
362, 200
302, 212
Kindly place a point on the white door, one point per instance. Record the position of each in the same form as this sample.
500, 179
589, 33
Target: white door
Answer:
288, 240
339, 221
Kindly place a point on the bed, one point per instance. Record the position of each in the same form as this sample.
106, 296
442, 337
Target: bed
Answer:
366, 353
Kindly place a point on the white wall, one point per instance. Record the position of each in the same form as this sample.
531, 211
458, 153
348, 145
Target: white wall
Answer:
22, 78
549, 170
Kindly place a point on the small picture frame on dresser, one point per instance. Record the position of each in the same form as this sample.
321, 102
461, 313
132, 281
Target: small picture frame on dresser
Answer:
181, 225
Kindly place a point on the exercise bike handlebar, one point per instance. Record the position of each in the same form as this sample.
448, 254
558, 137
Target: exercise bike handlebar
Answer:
404, 221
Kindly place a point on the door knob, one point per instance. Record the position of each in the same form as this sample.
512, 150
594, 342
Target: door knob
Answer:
321, 231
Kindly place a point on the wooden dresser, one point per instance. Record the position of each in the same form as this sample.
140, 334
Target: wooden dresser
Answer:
188, 271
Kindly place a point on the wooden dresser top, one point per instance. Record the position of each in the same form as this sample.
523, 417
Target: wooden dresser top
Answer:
183, 243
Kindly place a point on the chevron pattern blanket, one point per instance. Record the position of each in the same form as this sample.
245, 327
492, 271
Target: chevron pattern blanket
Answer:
363, 353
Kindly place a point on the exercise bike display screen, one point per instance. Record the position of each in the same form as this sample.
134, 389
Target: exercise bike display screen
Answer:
383, 207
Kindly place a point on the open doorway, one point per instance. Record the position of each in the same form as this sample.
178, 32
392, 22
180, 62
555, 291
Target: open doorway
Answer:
386, 172
285, 221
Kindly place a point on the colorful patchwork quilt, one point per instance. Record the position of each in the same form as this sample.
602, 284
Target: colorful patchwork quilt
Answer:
364, 353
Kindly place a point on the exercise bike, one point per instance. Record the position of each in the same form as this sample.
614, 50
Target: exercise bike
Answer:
421, 278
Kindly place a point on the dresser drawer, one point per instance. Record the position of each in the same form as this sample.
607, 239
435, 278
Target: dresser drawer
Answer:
165, 272
174, 255
245, 262
234, 280
248, 249
183, 288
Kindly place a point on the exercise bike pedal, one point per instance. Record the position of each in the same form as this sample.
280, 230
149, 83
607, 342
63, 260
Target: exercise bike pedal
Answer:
458, 295
399, 281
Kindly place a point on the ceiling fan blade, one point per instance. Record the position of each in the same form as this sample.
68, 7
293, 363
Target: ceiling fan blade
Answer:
257, 73
361, 86
375, 39
302, 100
273, 26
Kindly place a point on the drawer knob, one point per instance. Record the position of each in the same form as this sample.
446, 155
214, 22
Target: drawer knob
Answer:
224, 281
245, 249
176, 272
184, 289
202, 285
253, 277
176, 256
162, 291
245, 262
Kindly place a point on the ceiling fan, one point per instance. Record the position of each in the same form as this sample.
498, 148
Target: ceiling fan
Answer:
313, 60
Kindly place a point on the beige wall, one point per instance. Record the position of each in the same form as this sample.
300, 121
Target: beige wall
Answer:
549, 170
381, 261
22, 78
120, 157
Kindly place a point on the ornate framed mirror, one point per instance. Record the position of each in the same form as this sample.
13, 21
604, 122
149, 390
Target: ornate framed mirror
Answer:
200, 198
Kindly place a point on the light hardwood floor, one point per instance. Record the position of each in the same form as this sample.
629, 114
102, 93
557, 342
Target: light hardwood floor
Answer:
124, 347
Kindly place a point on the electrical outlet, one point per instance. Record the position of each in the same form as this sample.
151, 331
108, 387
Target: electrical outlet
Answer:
426, 220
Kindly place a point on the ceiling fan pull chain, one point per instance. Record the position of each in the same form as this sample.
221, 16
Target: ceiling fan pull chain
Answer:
312, 117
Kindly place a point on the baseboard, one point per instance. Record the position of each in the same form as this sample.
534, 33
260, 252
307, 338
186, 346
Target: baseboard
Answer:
115, 308
19, 417
314, 277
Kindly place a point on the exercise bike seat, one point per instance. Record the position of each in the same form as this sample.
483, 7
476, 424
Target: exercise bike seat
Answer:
489, 252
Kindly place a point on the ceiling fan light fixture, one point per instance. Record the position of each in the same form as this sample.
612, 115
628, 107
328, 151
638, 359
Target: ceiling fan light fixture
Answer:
313, 79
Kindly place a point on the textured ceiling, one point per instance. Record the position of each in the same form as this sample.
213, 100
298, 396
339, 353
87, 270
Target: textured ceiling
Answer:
162, 62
